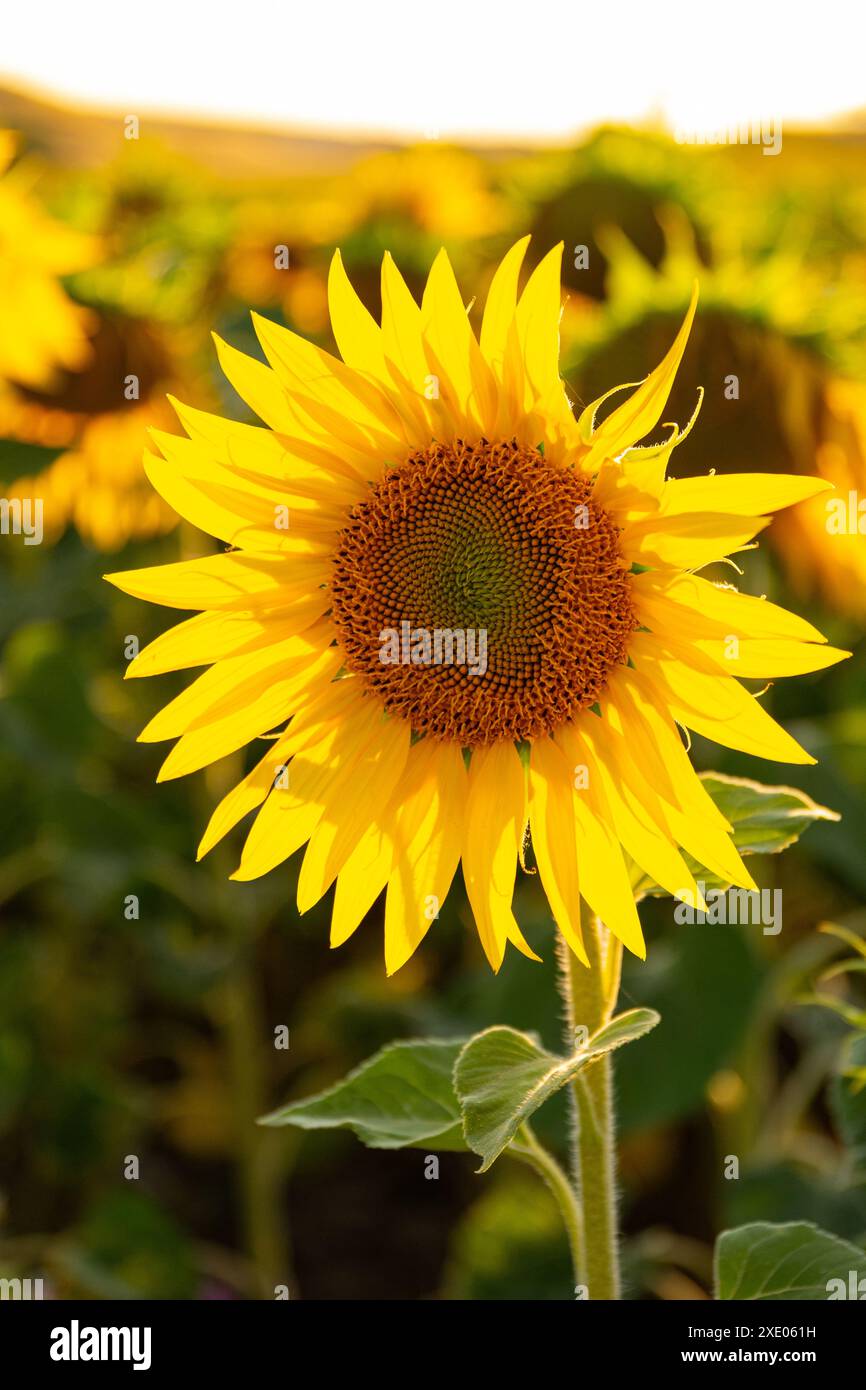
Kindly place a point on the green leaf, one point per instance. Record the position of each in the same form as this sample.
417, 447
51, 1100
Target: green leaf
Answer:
624, 1028
502, 1077
402, 1097
794, 1261
764, 820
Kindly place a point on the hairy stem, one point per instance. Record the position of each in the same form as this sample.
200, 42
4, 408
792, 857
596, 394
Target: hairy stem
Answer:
528, 1150
589, 998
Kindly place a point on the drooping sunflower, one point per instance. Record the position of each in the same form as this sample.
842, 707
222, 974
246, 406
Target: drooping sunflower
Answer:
768, 319
431, 485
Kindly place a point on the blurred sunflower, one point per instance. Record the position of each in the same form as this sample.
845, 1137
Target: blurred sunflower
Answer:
433, 484
835, 554
41, 330
163, 226
272, 257
441, 191
780, 334
98, 418
408, 201
618, 177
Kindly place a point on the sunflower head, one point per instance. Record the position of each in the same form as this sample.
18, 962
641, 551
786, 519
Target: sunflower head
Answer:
489, 540
462, 616
97, 483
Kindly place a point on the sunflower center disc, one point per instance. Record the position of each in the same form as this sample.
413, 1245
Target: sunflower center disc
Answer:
480, 592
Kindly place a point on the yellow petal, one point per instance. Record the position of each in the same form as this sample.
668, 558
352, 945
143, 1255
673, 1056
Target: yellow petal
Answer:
233, 683
692, 819
695, 607
308, 372
630, 705
255, 453
225, 581
249, 793
210, 637
356, 332
751, 659
446, 329
641, 412
745, 494
604, 880
719, 708
501, 304
257, 385
318, 741
428, 839
688, 542
289, 816
551, 818
538, 315
367, 778
643, 837
466, 383
360, 881
494, 828
401, 330
513, 419
646, 464
236, 511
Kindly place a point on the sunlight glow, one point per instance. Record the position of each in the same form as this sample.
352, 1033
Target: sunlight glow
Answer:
447, 67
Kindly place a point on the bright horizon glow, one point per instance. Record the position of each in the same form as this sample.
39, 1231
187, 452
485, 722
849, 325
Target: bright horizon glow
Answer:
447, 68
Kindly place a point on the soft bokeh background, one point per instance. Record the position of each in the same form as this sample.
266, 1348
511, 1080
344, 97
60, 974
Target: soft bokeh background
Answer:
153, 1035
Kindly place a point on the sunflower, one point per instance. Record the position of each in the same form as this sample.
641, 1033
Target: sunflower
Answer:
410, 200
41, 330
432, 485
768, 320
834, 548
97, 483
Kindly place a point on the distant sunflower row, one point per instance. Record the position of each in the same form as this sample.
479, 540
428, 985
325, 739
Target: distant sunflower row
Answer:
104, 313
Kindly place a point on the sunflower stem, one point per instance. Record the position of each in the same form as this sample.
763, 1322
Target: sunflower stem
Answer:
527, 1149
589, 998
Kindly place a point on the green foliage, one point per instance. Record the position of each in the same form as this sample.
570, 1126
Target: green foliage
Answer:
402, 1097
791, 1262
763, 820
502, 1077
437, 1094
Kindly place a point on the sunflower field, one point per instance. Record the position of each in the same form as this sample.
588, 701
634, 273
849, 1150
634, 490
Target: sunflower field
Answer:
471, 902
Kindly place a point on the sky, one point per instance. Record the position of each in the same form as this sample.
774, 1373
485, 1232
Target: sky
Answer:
478, 68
